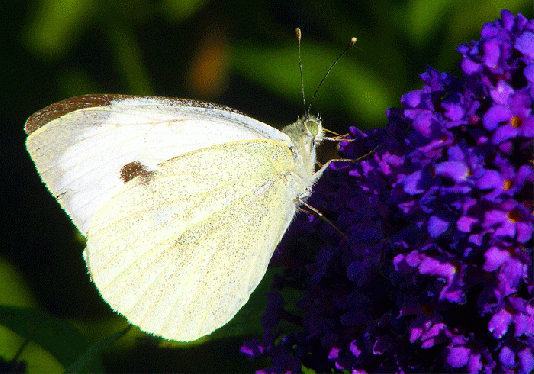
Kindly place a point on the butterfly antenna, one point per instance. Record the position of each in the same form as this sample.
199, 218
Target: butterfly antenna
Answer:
299, 37
352, 42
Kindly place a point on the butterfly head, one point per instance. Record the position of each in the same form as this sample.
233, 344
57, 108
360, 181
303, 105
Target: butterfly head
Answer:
305, 134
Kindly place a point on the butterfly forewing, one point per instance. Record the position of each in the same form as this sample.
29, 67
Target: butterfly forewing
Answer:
80, 153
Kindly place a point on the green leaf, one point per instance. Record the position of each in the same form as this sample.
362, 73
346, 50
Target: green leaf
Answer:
59, 338
89, 356
57, 24
351, 86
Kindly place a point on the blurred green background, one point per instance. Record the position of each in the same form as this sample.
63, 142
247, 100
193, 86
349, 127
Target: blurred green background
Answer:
242, 54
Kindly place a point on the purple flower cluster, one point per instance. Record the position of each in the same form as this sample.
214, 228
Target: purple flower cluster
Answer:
436, 270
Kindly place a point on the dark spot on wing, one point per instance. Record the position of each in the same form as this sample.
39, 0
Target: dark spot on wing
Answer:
135, 169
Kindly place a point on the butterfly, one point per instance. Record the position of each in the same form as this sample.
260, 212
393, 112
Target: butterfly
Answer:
182, 202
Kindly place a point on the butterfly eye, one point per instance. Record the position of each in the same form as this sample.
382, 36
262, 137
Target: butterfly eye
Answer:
312, 126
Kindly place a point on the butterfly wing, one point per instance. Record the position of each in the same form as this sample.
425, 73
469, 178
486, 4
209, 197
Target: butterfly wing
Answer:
180, 251
87, 147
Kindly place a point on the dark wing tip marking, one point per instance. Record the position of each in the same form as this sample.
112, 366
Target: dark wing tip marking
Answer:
135, 169
56, 110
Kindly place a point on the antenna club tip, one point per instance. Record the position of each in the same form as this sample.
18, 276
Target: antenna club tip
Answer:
299, 33
353, 40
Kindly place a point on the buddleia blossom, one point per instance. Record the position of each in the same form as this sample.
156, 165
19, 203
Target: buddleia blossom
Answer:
436, 270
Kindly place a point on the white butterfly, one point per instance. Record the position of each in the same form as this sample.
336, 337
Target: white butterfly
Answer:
182, 202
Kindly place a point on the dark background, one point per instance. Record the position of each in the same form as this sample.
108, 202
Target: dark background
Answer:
242, 54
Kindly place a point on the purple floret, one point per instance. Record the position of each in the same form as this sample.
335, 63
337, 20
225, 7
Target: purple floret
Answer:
435, 272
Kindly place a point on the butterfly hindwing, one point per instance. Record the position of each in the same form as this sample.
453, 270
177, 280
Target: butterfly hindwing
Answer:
180, 251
